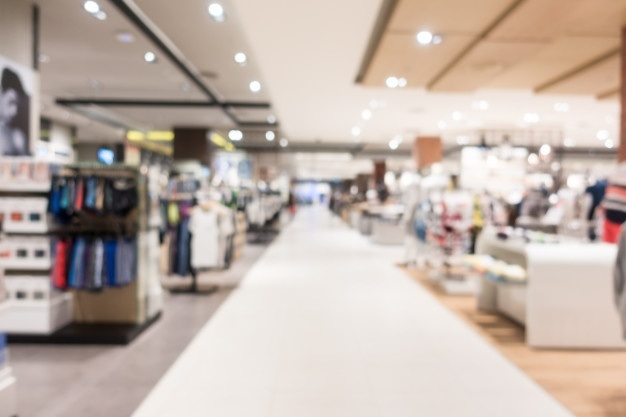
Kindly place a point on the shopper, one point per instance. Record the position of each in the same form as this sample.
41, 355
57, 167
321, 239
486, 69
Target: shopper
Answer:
14, 115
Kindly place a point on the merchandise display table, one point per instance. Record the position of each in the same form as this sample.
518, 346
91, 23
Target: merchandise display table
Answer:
567, 301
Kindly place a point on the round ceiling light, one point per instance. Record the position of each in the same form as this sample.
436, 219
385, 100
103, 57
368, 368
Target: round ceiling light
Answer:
569, 142
424, 37
609, 144
394, 144
366, 114
284, 143
241, 58
271, 119
101, 15
356, 131
270, 136
602, 134
216, 11
91, 7
150, 57
235, 135
255, 86
402, 82
392, 82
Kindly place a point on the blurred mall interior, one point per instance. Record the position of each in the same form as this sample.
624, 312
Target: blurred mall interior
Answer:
333, 208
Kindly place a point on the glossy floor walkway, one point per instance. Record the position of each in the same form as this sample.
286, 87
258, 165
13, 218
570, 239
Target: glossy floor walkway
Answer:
324, 325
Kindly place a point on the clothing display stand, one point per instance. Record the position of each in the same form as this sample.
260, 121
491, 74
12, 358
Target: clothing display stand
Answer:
111, 315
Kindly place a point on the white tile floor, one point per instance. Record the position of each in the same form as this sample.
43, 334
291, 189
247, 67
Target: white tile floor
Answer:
325, 326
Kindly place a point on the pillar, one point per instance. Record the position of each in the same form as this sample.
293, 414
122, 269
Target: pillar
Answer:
621, 152
192, 144
427, 150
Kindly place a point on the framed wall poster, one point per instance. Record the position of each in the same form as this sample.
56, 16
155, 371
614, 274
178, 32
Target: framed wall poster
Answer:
17, 96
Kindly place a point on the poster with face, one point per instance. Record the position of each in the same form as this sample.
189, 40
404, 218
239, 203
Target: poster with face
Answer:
17, 84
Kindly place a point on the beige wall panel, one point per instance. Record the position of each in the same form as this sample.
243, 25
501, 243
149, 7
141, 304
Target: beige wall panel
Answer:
598, 79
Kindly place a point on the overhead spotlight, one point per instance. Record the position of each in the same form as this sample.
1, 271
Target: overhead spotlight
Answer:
609, 144
442, 125
91, 7
366, 114
545, 150
216, 11
533, 159
271, 119
101, 15
241, 58
392, 82
424, 37
356, 131
457, 116
569, 142
150, 57
270, 136
284, 143
437, 39
394, 144
402, 82
235, 135
255, 86
44, 59
602, 134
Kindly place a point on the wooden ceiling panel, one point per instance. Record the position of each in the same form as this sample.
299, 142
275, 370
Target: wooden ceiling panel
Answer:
399, 55
446, 16
595, 81
486, 61
550, 19
552, 61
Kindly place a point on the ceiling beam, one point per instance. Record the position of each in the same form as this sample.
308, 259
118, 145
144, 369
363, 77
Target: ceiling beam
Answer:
384, 17
578, 70
606, 94
143, 24
469, 48
160, 103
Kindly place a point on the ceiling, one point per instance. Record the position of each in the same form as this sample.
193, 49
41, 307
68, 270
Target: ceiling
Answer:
307, 56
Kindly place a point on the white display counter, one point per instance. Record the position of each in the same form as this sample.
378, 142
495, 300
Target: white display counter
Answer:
567, 301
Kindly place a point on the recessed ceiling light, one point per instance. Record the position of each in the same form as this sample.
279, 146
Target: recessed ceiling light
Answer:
545, 150
569, 142
255, 86
457, 116
609, 144
91, 7
241, 58
284, 142
150, 57
216, 11
561, 107
235, 135
101, 15
602, 134
356, 131
270, 136
366, 114
44, 59
424, 37
437, 39
271, 119
392, 82
394, 144
531, 118
402, 82
125, 37
442, 125
533, 159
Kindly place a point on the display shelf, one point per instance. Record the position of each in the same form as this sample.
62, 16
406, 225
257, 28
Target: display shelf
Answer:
8, 393
26, 187
88, 334
34, 265
37, 317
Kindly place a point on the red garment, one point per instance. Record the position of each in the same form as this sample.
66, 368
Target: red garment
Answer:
80, 195
59, 271
611, 231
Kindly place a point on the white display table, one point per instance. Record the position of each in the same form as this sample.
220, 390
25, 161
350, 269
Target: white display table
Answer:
568, 299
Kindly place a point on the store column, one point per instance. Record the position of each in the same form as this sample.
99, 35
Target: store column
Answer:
621, 153
427, 150
192, 144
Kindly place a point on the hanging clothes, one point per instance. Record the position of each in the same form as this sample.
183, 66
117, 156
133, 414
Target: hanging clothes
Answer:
619, 278
205, 243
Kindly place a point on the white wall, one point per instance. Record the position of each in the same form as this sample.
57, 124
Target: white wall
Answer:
16, 34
